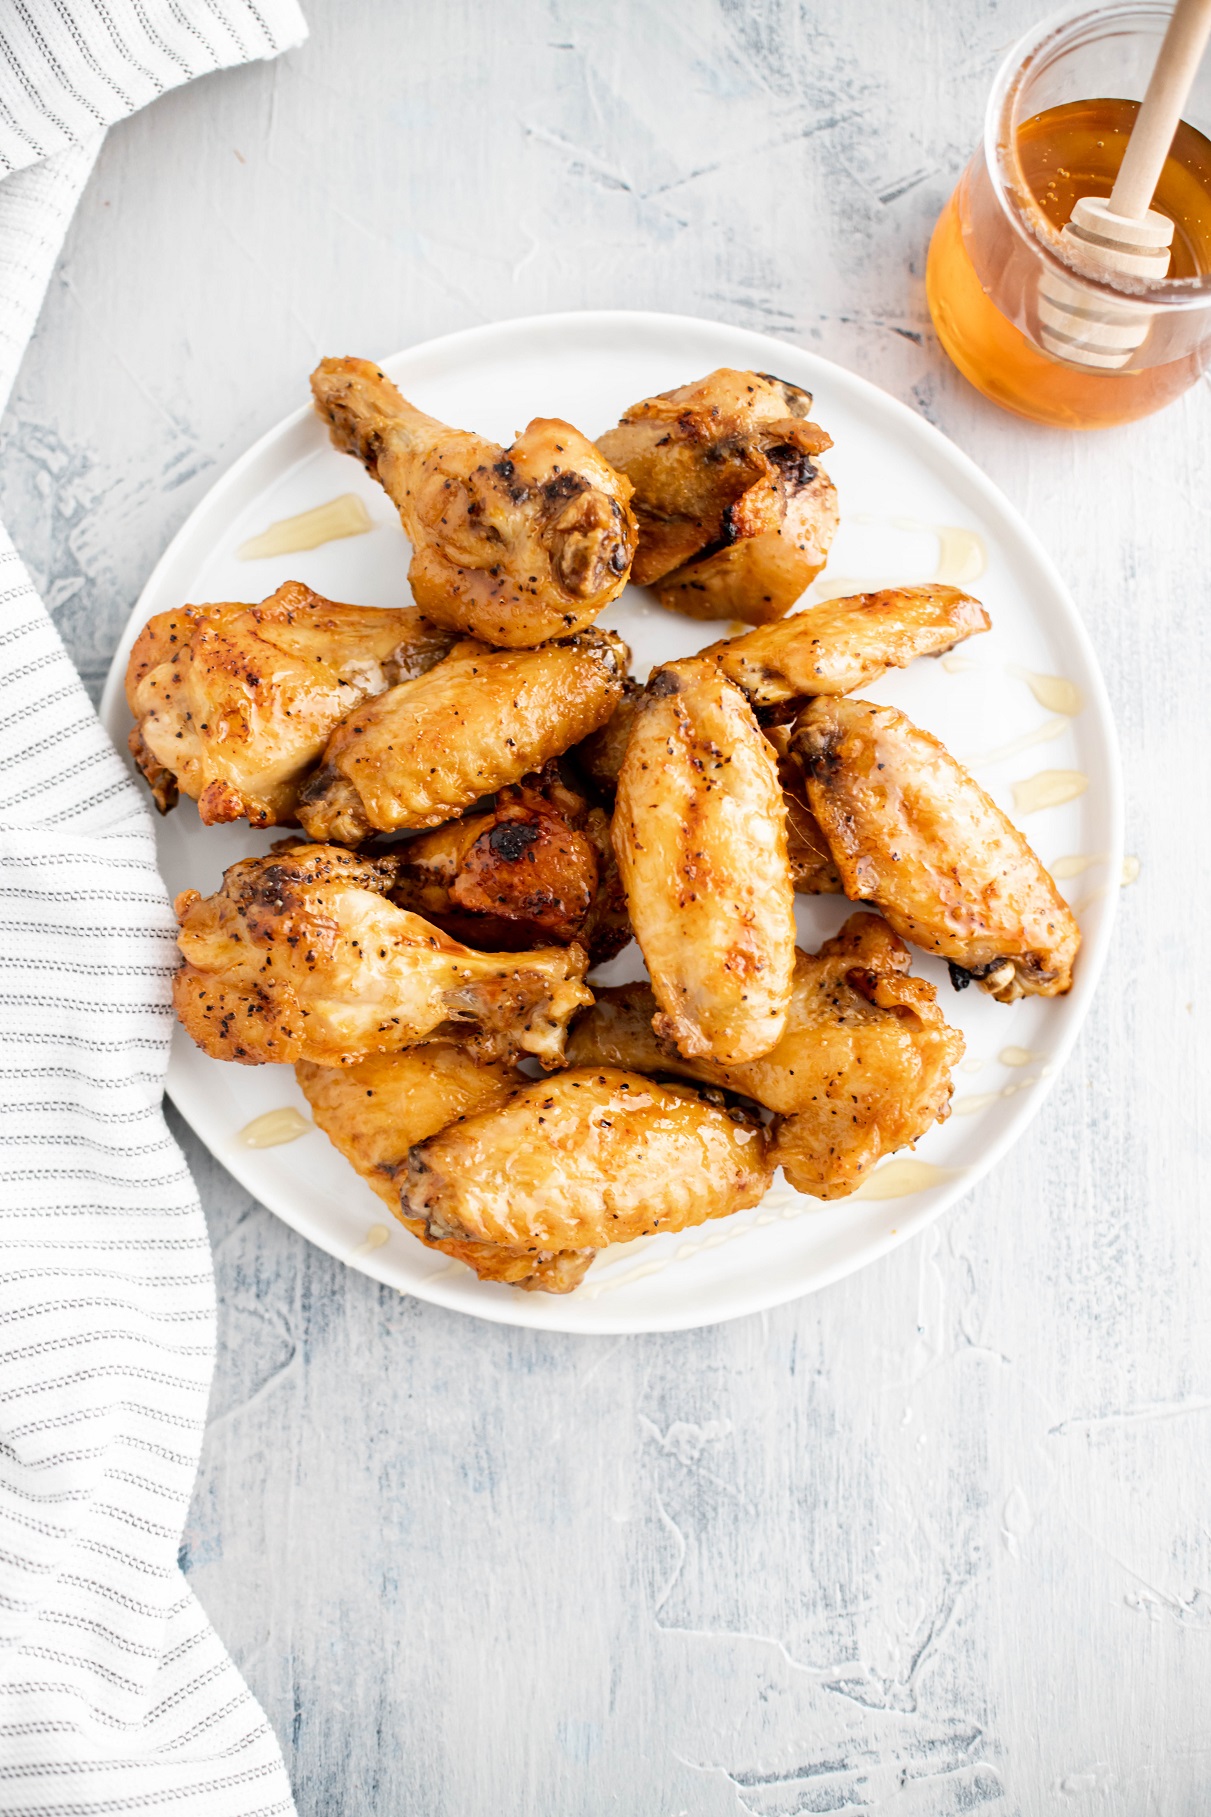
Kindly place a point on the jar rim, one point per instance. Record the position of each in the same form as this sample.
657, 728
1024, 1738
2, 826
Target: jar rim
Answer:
1037, 46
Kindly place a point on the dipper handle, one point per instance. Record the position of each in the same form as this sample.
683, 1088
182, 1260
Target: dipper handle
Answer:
1160, 116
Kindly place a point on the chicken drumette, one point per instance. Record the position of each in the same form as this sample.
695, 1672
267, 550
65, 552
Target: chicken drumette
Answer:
538, 867
512, 545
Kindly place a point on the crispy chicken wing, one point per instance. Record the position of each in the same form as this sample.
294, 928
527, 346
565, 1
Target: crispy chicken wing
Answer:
588, 1157
735, 515
512, 545
300, 956
844, 644
234, 703
863, 1068
377, 1109
533, 869
811, 864
482, 719
700, 836
913, 833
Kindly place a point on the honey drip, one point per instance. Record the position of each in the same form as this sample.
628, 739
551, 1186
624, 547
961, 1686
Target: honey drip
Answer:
841, 586
1050, 728
343, 516
1054, 692
1049, 789
962, 557
1076, 864
896, 1179
274, 1128
970, 1107
375, 1237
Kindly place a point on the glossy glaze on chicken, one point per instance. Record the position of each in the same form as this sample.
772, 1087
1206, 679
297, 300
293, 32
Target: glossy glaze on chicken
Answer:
863, 1068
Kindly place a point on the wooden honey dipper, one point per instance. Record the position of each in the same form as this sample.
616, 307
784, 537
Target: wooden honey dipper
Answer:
1123, 235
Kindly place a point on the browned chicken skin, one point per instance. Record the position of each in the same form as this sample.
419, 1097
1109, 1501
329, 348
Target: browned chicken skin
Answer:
536, 868
913, 833
735, 515
589, 1157
377, 1109
482, 719
863, 1068
699, 833
844, 644
300, 956
234, 703
512, 545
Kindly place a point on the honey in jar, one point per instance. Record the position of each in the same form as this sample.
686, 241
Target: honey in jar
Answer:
979, 285
1056, 126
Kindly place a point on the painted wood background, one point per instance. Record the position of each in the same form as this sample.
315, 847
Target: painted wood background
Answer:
939, 1538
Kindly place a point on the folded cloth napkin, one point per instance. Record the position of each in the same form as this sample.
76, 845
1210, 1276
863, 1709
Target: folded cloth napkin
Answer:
115, 1694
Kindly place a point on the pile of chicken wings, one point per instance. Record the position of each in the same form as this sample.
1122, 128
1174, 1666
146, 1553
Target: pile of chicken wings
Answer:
489, 804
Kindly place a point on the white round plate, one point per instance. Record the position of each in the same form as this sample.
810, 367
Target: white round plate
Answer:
903, 488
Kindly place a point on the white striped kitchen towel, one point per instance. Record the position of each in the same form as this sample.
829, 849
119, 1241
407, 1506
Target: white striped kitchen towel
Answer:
115, 1694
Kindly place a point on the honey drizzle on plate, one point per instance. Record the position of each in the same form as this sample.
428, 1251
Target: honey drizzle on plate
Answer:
326, 523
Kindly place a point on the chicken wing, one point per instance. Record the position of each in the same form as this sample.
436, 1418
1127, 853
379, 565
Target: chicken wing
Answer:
532, 870
423, 752
863, 1068
913, 833
512, 545
700, 835
375, 1110
300, 956
589, 1157
234, 703
845, 644
735, 515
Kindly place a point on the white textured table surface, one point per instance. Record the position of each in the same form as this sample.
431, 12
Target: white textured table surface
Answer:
939, 1538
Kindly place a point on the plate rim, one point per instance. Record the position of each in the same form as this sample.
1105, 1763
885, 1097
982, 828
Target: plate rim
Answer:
542, 1312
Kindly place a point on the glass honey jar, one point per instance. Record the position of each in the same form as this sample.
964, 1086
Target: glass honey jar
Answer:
1059, 116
